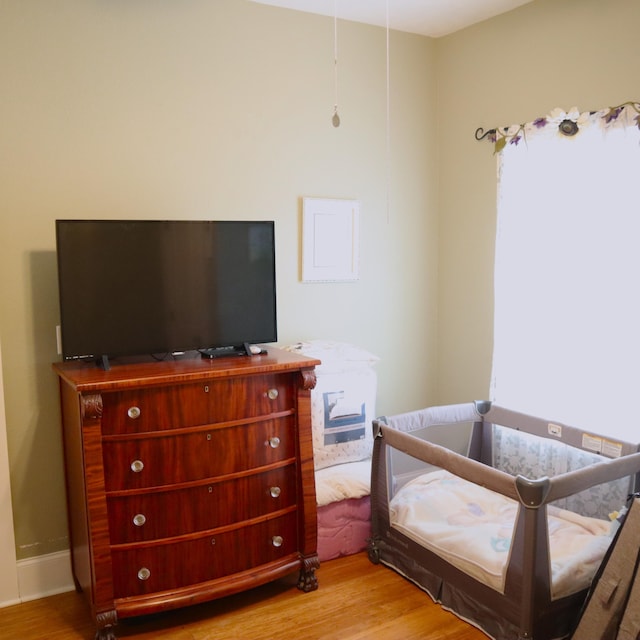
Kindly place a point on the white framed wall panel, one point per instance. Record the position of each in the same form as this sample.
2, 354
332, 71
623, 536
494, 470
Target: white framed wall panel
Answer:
330, 240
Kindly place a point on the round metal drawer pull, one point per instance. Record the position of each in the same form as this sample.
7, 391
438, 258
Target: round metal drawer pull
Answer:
134, 412
139, 519
137, 466
213, 540
275, 492
274, 442
272, 394
144, 574
277, 541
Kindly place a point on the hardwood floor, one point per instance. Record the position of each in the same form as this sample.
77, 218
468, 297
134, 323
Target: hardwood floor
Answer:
356, 600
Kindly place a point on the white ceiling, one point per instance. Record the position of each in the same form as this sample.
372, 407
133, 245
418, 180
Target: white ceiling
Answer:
426, 17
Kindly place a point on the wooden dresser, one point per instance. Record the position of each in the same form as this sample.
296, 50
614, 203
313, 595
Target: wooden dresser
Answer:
188, 479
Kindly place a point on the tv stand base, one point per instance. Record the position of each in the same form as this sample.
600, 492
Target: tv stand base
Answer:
242, 350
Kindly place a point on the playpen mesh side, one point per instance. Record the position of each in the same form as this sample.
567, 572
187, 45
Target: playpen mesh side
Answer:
520, 453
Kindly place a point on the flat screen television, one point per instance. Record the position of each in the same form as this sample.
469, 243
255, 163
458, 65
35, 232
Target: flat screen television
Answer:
158, 287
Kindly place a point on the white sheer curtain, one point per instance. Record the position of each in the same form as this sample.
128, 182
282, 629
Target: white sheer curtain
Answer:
567, 272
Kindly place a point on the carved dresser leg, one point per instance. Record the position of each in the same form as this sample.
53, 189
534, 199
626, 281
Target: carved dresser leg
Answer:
308, 580
106, 622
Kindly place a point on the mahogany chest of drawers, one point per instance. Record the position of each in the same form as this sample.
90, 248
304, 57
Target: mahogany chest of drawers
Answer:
187, 480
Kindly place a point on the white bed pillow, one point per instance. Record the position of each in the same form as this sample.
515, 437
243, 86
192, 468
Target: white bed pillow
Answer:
343, 482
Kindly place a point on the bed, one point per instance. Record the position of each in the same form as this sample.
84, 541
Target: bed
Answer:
501, 517
344, 509
342, 410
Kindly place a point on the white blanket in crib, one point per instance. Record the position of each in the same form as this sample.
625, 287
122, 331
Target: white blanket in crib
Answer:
471, 528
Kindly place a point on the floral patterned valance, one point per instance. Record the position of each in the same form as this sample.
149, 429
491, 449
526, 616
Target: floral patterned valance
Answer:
565, 123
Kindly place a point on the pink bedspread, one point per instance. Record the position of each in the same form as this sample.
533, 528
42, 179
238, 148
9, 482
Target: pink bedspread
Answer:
343, 527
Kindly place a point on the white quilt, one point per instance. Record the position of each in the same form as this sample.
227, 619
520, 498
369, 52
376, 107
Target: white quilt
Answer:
471, 528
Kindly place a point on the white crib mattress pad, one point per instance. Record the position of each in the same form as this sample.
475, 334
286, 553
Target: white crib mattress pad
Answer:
472, 528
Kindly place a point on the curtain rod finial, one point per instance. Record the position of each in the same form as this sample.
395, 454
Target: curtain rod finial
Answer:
481, 134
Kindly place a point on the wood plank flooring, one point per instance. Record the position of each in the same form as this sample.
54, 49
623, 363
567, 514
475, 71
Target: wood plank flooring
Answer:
356, 600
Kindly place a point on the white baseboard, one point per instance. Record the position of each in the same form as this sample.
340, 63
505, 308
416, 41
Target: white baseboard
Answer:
44, 575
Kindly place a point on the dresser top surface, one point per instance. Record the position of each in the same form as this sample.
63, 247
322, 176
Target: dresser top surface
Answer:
145, 371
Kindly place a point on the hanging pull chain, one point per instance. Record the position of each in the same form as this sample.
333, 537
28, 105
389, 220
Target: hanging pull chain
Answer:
388, 123
335, 120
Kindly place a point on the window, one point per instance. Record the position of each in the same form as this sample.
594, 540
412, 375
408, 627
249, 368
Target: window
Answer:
567, 272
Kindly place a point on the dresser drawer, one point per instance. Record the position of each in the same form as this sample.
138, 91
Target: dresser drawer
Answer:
168, 458
152, 409
168, 513
159, 567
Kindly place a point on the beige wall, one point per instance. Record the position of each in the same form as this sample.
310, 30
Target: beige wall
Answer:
510, 69
221, 109
207, 109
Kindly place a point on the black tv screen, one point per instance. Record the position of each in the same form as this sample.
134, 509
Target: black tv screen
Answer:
134, 287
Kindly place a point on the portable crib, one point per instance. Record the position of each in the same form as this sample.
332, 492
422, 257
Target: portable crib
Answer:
501, 517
